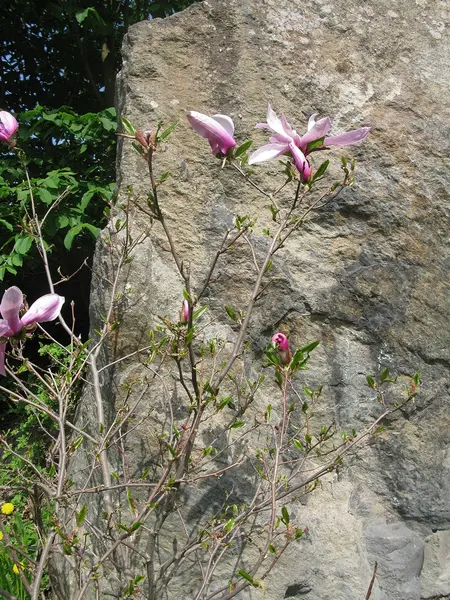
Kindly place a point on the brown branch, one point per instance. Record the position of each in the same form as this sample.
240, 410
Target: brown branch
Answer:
372, 581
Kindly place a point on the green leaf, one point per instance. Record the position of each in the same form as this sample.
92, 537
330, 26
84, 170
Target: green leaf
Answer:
108, 125
198, 313
229, 525
165, 134
23, 244
231, 313
321, 170
172, 450
246, 576
237, 424
74, 231
45, 195
86, 199
285, 515
309, 347
71, 234
80, 516
52, 182
298, 359
16, 260
384, 375
8, 226
225, 402
81, 15
370, 381
77, 443
129, 128
315, 144
243, 148
279, 378
62, 221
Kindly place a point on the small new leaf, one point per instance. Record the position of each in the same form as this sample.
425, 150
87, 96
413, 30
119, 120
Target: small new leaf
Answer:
384, 375
246, 576
285, 515
165, 134
231, 313
309, 347
129, 128
243, 148
370, 381
321, 170
229, 525
80, 516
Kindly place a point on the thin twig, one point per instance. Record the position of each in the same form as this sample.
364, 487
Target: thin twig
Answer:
372, 581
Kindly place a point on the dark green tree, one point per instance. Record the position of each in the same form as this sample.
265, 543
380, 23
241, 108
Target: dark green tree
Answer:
67, 52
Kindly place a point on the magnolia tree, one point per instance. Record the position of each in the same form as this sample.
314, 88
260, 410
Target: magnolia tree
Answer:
130, 535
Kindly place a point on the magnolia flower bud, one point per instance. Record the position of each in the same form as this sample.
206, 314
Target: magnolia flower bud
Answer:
184, 314
281, 341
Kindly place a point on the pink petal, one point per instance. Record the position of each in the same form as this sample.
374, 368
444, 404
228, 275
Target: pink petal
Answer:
345, 139
184, 315
312, 121
46, 308
318, 130
274, 122
2, 359
298, 156
9, 308
287, 128
5, 330
267, 152
226, 122
279, 138
214, 131
280, 340
8, 125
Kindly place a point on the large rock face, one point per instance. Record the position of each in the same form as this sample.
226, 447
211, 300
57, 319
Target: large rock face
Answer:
368, 275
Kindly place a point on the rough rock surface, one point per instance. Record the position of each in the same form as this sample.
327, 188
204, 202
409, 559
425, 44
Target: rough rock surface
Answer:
369, 276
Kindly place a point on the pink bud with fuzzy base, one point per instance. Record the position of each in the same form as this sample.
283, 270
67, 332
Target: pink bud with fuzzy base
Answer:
281, 341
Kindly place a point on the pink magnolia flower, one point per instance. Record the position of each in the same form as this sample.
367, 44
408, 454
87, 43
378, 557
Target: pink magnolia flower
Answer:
287, 141
281, 341
184, 314
46, 308
218, 130
8, 127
